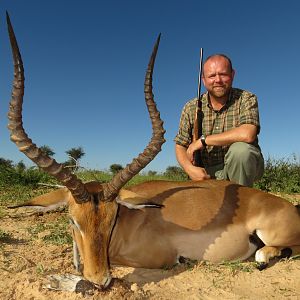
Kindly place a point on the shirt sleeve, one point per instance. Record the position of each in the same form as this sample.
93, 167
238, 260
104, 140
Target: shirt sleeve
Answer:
186, 124
249, 111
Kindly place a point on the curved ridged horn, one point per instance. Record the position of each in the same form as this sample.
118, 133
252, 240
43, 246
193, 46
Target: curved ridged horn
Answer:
20, 138
153, 148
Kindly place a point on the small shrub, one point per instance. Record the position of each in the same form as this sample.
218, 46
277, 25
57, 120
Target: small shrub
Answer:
281, 175
152, 173
115, 168
175, 173
21, 176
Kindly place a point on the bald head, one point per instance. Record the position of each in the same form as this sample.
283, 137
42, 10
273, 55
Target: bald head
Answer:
219, 55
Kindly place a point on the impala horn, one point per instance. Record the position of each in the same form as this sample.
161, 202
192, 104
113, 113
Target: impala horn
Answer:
111, 188
20, 138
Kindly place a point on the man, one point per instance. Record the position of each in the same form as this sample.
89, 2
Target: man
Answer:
230, 125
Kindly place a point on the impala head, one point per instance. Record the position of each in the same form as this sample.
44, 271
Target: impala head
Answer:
92, 205
92, 223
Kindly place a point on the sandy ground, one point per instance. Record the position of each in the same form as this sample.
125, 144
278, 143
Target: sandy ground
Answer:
26, 261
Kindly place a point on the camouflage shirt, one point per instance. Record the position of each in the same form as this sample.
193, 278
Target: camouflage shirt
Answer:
241, 108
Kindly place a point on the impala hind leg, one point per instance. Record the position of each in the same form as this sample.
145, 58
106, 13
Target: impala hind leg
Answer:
280, 233
266, 253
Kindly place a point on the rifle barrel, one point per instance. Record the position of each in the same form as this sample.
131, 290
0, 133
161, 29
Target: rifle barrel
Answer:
200, 74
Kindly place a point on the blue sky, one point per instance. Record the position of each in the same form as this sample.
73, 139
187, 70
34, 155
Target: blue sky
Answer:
85, 63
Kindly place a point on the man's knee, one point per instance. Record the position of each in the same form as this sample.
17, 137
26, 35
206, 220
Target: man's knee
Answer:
243, 163
239, 152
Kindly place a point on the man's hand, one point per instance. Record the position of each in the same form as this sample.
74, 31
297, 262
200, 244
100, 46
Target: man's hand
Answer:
194, 146
197, 173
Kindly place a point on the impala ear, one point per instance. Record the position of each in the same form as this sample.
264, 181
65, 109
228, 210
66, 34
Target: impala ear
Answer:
133, 200
49, 201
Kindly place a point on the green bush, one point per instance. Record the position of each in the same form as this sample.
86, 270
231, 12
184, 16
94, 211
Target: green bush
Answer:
281, 175
175, 173
22, 176
115, 168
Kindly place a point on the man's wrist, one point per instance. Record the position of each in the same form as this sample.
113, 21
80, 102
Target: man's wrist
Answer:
203, 140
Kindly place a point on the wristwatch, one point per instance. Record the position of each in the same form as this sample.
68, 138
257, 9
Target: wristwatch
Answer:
202, 139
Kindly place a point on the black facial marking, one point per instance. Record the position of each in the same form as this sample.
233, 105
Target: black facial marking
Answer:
95, 201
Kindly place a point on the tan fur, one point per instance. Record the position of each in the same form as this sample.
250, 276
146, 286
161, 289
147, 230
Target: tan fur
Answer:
210, 220
62, 195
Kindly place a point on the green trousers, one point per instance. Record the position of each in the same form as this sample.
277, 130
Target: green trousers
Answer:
243, 164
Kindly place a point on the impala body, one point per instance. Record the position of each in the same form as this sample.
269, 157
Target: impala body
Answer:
155, 223
209, 220
205, 220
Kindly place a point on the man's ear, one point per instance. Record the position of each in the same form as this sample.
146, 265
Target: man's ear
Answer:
232, 74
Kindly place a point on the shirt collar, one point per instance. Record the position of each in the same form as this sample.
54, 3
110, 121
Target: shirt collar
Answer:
206, 100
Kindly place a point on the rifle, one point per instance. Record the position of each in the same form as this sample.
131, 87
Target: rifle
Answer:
197, 132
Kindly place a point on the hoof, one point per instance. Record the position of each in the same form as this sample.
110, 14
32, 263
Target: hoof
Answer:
261, 266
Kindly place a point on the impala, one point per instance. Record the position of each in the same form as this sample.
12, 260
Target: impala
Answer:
153, 224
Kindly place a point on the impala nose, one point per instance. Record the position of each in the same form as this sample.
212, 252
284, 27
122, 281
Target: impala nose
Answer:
101, 282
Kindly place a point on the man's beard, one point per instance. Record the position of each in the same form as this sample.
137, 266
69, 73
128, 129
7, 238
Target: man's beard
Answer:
220, 91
